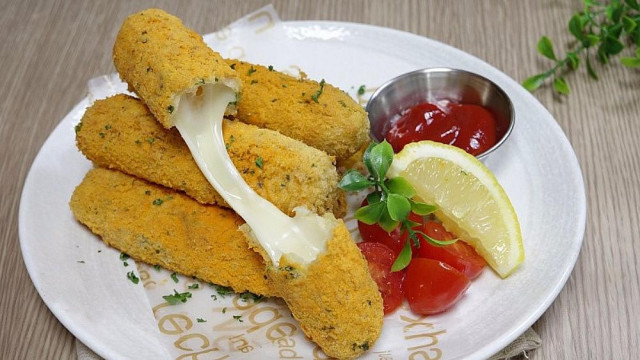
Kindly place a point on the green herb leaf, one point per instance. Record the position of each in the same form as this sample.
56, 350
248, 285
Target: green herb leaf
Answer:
353, 180
259, 162
436, 242
404, 258
194, 286
177, 297
575, 27
158, 202
174, 277
613, 46
630, 62
400, 186
386, 222
421, 208
592, 39
381, 157
366, 158
374, 197
560, 85
398, 206
590, 71
574, 61
124, 256
371, 213
361, 90
628, 24
545, 48
632, 4
534, 81
200, 320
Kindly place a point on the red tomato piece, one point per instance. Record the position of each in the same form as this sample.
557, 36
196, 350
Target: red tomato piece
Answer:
458, 255
431, 286
380, 258
394, 240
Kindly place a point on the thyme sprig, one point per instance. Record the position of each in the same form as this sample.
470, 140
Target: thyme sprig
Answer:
603, 29
390, 202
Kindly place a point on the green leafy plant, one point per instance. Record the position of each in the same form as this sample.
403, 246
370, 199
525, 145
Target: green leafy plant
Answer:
601, 30
390, 202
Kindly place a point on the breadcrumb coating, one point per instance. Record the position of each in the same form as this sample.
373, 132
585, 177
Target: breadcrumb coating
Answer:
161, 59
334, 298
321, 116
120, 133
163, 227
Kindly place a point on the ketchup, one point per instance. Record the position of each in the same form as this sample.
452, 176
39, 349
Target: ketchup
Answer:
469, 127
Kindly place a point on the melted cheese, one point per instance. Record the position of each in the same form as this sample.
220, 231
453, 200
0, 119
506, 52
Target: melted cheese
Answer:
199, 120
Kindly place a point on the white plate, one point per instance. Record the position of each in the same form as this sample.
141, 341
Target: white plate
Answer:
84, 284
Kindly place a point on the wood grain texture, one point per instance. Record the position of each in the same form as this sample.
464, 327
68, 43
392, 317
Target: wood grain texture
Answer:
50, 48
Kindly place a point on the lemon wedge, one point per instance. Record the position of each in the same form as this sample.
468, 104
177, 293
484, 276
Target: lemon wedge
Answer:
471, 203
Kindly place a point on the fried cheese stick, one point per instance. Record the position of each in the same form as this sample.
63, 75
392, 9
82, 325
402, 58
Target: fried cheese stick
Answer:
161, 60
305, 242
343, 320
121, 133
163, 227
318, 114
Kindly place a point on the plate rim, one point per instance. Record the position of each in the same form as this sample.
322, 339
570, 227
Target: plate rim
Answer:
487, 350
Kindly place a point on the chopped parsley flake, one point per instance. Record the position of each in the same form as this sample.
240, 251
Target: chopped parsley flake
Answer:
132, 276
233, 66
124, 256
200, 320
270, 68
151, 140
78, 127
362, 89
222, 290
238, 317
158, 202
259, 162
177, 297
174, 277
107, 127
194, 286
101, 134
253, 82
245, 296
315, 96
170, 109
224, 310
157, 267
251, 70
147, 192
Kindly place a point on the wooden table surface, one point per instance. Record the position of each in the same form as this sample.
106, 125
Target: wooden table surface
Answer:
50, 48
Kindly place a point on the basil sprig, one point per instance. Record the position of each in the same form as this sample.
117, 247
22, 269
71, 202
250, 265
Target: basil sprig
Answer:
390, 202
601, 30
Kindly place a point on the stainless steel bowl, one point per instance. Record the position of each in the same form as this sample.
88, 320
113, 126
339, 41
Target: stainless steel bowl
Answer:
435, 84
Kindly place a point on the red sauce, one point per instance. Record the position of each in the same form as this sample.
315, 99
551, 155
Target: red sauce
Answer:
469, 127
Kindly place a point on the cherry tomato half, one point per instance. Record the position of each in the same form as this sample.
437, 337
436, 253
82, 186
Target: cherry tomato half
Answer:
380, 258
394, 240
458, 255
431, 286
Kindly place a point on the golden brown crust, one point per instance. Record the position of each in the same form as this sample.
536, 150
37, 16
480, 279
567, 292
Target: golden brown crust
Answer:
174, 232
161, 59
270, 99
120, 133
335, 299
